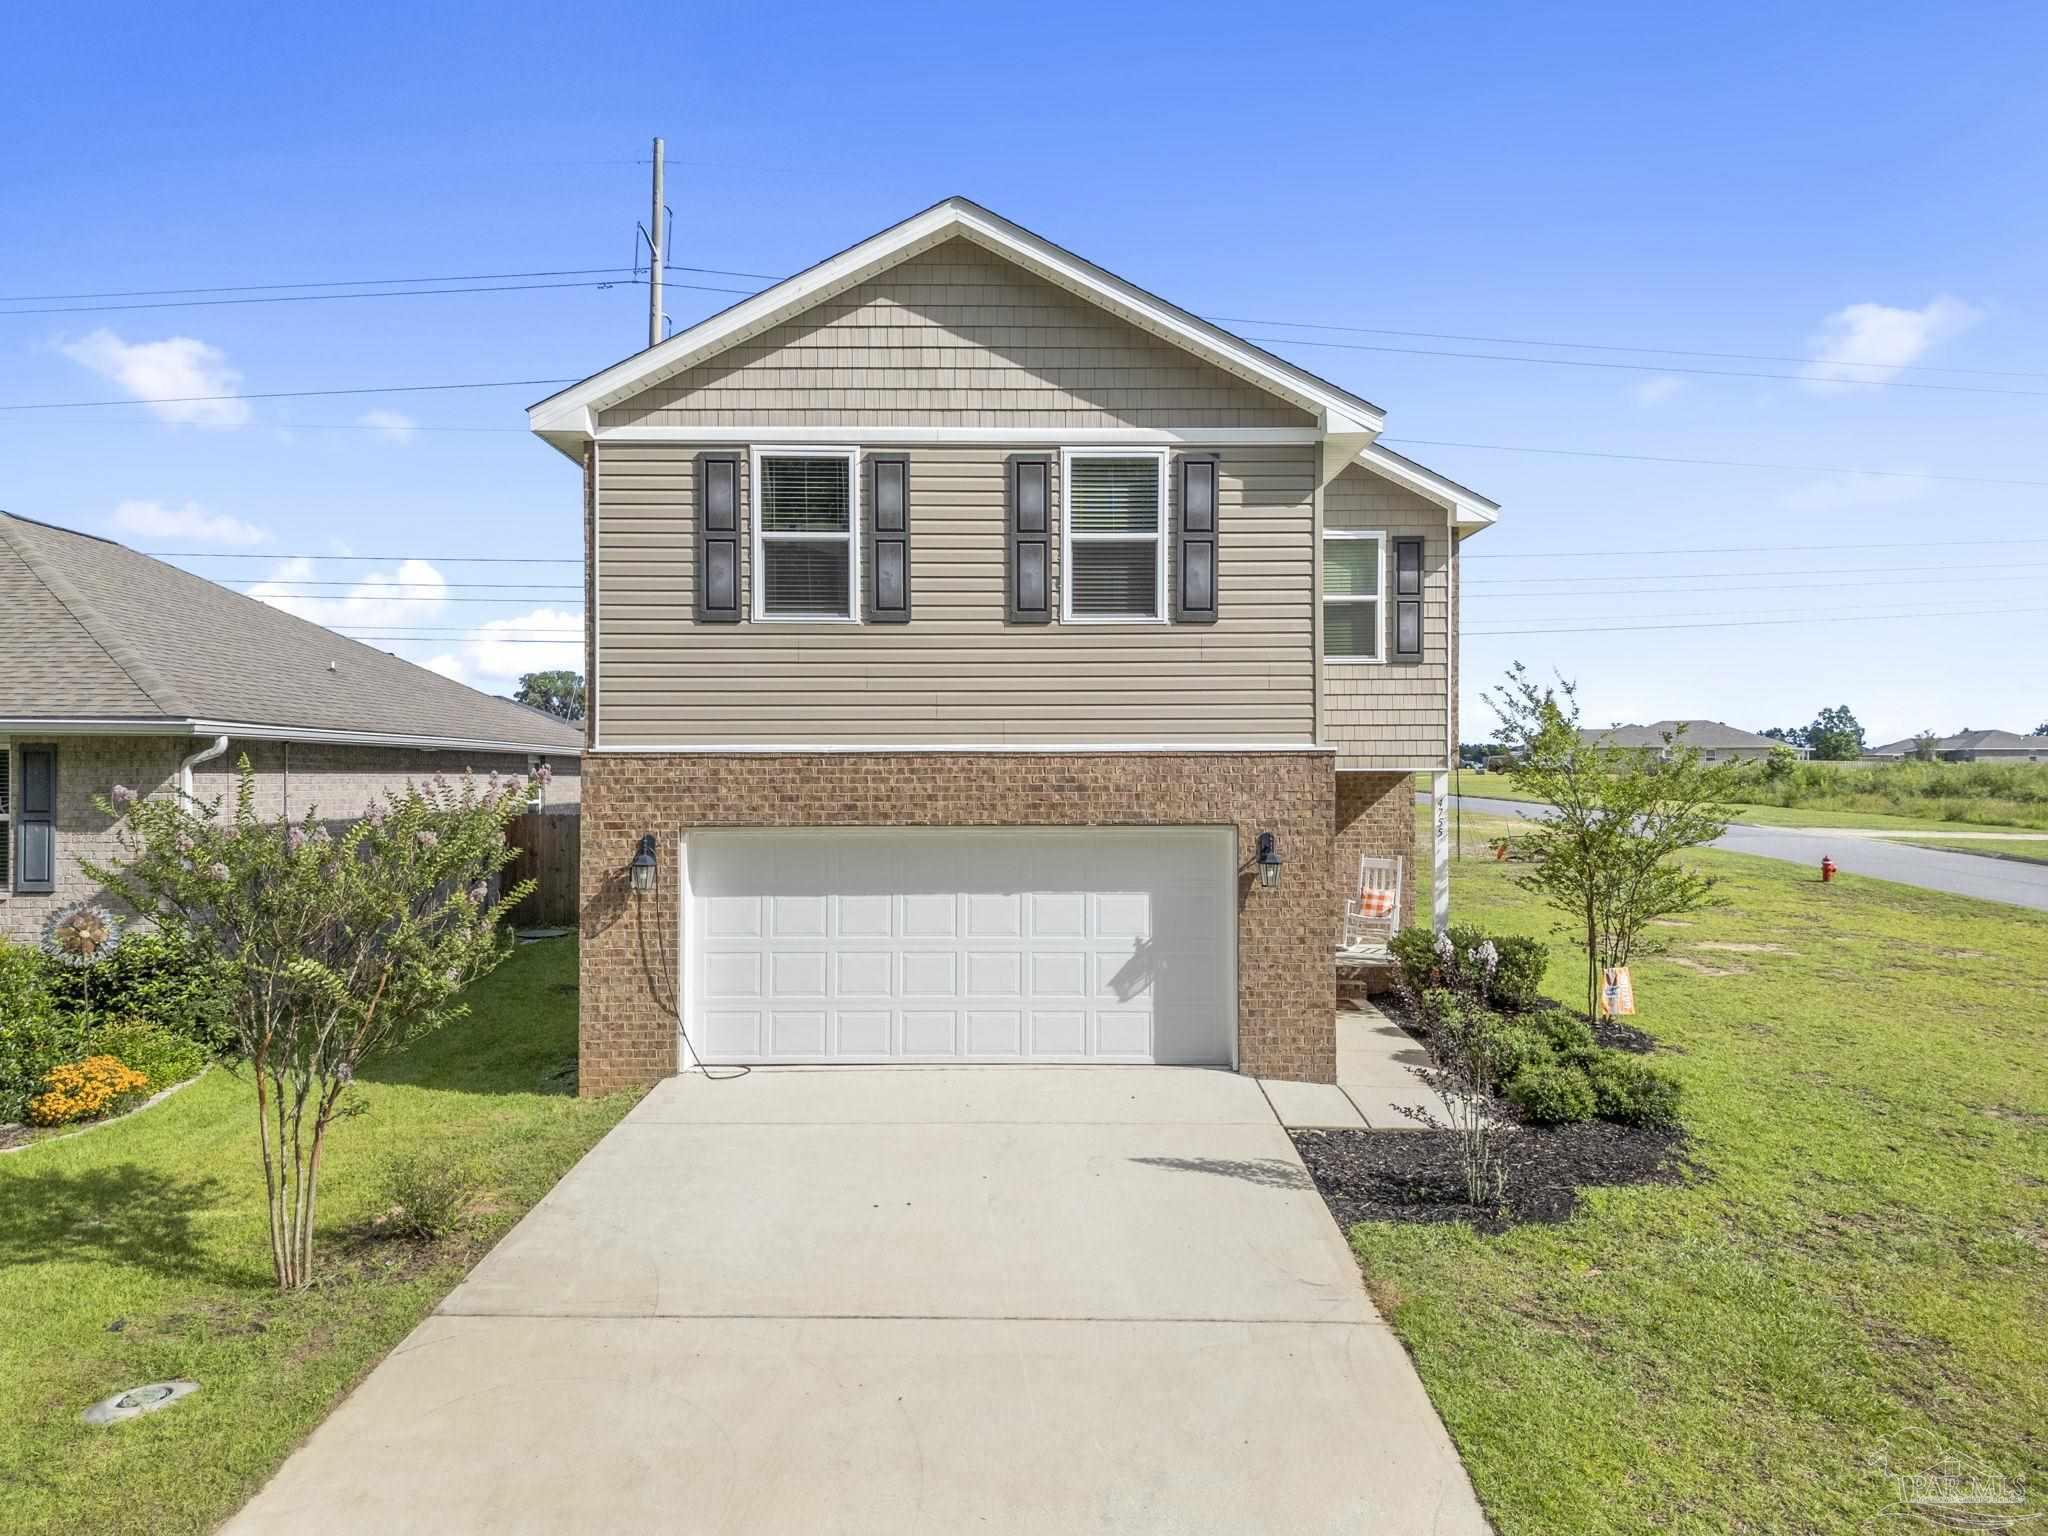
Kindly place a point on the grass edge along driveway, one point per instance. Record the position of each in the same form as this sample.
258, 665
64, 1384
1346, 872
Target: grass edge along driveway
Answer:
137, 1253
1857, 1289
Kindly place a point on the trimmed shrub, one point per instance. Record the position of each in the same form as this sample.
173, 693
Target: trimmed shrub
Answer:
1518, 978
1633, 1091
426, 1196
1552, 1093
154, 1051
1512, 1046
148, 976
34, 1036
1414, 950
1570, 1036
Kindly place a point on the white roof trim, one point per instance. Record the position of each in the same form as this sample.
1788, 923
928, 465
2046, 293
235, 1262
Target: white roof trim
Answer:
571, 413
1468, 507
30, 726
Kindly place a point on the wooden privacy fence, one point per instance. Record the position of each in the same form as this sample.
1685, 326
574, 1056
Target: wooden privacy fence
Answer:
547, 851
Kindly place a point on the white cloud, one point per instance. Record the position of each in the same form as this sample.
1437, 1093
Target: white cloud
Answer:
1655, 391
154, 520
497, 652
163, 371
449, 667
1869, 343
392, 426
382, 601
1845, 493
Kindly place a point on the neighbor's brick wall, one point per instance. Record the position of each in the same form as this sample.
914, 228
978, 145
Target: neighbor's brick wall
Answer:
338, 782
1286, 994
1376, 815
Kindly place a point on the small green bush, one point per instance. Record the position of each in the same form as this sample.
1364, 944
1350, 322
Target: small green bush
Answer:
1633, 1091
30, 1048
1552, 1093
1511, 1046
159, 1055
147, 976
1518, 978
1570, 1036
426, 1196
1414, 950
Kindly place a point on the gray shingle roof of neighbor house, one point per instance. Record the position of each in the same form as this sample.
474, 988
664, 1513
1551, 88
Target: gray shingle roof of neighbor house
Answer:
94, 634
1703, 734
1990, 741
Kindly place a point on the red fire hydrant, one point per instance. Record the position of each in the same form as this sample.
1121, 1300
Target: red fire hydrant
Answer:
1827, 870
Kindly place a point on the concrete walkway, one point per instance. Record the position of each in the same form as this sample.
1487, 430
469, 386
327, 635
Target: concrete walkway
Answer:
902, 1300
1859, 852
1374, 1083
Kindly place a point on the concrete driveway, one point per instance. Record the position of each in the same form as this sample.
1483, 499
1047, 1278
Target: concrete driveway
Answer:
901, 1300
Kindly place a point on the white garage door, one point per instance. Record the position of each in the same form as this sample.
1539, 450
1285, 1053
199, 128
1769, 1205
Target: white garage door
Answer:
925, 944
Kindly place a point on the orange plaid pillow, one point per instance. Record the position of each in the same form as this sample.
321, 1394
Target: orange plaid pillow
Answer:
1375, 903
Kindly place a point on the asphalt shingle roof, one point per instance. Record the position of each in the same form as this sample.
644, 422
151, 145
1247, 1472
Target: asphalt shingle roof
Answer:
1703, 734
91, 629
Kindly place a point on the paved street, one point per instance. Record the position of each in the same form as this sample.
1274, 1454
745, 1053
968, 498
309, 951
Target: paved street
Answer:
1858, 853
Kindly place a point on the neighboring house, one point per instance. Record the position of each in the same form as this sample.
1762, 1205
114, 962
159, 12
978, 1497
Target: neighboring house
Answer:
1971, 747
962, 618
1717, 743
119, 669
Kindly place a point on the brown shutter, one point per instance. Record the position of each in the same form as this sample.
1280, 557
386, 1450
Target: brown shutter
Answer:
1194, 540
35, 822
885, 573
1028, 541
718, 538
1407, 604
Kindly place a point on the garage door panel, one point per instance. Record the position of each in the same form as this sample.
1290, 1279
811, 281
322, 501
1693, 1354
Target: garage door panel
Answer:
1114, 944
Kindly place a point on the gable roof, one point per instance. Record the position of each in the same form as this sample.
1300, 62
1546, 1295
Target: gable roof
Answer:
568, 417
95, 635
1698, 733
1994, 741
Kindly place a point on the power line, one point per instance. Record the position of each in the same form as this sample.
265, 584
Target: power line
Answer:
1824, 570
340, 282
401, 586
1579, 594
291, 394
1585, 362
1652, 458
224, 554
372, 597
385, 293
1596, 346
1732, 549
1819, 618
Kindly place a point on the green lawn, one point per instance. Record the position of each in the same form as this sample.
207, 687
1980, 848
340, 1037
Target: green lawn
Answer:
137, 1252
1497, 786
1860, 1278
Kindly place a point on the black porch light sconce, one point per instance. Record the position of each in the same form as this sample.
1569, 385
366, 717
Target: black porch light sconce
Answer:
1269, 862
641, 870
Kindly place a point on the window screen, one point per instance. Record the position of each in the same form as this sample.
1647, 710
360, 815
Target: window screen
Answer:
1113, 538
806, 519
1351, 596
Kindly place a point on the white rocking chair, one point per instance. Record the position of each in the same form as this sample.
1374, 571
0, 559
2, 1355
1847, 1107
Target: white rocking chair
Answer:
1372, 915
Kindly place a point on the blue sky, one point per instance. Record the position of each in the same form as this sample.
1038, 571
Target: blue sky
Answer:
1785, 183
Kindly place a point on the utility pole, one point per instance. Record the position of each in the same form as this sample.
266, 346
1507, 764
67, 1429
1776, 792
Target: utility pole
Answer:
654, 244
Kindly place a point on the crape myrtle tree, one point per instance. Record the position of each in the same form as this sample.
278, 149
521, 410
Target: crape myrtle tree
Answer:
1606, 854
332, 945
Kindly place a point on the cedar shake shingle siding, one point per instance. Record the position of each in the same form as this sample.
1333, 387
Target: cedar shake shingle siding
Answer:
957, 673
955, 337
1390, 715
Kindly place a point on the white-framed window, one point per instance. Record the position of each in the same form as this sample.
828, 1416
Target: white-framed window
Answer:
806, 535
1114, 535
1354, 577
6, 818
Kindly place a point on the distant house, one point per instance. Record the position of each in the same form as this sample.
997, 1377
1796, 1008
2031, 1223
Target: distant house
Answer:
1971, 747
1716, 742
119, 669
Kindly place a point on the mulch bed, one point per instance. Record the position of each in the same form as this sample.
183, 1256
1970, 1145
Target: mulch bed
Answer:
1419, 1175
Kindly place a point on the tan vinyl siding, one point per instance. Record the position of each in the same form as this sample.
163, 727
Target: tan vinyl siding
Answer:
955, 337
956, 674
1391, 715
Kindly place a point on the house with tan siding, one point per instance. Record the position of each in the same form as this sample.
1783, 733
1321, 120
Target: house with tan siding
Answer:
119, 669
990, 661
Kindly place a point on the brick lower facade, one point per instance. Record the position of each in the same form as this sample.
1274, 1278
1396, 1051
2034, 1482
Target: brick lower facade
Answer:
630, 970
1376, 815
339, 782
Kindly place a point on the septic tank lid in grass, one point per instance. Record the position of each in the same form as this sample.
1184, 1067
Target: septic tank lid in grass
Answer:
138, 1400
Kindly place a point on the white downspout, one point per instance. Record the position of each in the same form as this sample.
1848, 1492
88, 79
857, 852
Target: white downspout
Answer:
203, 755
